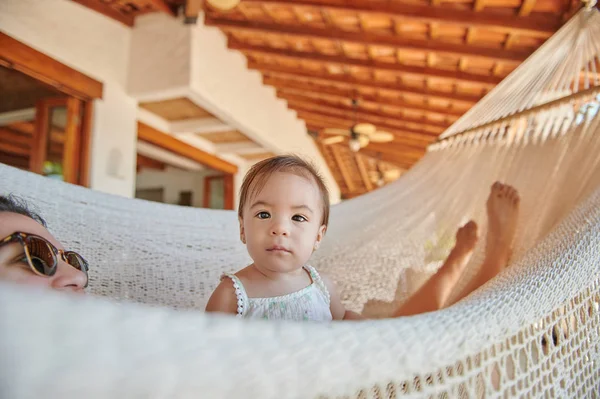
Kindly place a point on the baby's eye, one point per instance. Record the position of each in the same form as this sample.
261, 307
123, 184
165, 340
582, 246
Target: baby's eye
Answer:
299, 218
263, 215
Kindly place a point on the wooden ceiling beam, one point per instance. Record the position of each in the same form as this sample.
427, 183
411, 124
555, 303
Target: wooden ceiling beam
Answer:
314, 90
479, 5
536, 26
20, 57
371, 116
293, 96
149, 163
162, 6
367, 39
394, 159
326, 153
526, 8
401, 158
425, 72
407, 151
384, 123
412, 155
324, 122
327, 121
360, 163
348, 196
342, 167
169, 143
397, 158
108, 11
353, 82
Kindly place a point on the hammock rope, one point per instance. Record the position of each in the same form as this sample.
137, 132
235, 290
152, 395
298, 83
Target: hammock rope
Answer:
533, 331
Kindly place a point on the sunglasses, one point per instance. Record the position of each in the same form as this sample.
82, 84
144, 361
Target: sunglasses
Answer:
42, 256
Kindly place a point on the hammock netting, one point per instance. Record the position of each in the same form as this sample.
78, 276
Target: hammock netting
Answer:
533, 331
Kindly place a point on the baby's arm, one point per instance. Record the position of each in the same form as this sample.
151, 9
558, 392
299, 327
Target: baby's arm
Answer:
223, 299
337, 308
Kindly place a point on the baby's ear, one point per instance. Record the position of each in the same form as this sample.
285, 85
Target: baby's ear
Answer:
321, 233
242, 233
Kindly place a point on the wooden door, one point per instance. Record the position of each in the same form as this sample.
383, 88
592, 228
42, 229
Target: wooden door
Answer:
58, 146
218, 192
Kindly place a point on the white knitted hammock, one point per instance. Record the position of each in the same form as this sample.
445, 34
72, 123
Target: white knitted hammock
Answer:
533, 331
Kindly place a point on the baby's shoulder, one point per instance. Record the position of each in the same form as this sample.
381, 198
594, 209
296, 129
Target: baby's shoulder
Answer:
329, 284
223, 298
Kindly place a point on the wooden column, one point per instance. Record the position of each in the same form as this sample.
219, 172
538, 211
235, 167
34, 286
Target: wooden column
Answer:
228, 191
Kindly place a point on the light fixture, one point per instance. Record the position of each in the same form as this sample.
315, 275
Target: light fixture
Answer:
354, 145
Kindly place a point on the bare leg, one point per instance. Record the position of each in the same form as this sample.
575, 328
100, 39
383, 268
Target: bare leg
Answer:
503, 212
434, 293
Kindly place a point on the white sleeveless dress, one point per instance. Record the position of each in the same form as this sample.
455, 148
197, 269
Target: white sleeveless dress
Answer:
309, 304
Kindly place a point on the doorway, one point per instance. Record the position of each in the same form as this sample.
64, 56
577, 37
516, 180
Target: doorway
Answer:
45, 113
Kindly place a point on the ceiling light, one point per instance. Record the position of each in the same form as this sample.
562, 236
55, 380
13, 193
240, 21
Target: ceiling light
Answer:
354, 145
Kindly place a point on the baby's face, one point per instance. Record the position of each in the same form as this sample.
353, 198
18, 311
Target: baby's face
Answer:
282, 223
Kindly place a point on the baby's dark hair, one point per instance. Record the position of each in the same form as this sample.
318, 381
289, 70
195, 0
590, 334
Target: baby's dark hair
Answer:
260, 172
14, 204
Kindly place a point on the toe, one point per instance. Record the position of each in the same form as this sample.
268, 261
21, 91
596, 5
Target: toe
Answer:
516, 199
496, 186
509, 192
502, 191
471, 226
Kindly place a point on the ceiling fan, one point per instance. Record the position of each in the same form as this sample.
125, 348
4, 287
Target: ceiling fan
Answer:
360, 134
380, 177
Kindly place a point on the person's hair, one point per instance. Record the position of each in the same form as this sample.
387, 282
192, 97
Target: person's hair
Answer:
259, 173
18, 205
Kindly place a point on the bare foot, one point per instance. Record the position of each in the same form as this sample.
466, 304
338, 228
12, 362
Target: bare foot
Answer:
503, 213
466, 238
434, 293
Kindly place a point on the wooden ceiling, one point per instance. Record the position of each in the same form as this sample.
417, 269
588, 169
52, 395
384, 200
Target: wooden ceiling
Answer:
176, 109
201, 123
414, 66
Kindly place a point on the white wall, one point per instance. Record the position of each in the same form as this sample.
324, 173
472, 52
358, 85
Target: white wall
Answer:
173, 181
222, 84
218, 81
96, 46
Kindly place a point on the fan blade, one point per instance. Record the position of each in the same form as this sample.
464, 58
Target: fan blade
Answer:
365, 128
381, 137
363, 140
392, 174
336, 132
332, 140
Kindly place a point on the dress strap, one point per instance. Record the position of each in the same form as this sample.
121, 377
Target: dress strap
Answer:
318, 281
240, 293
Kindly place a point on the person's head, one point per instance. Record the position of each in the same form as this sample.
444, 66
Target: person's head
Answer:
29, 254
283, 212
